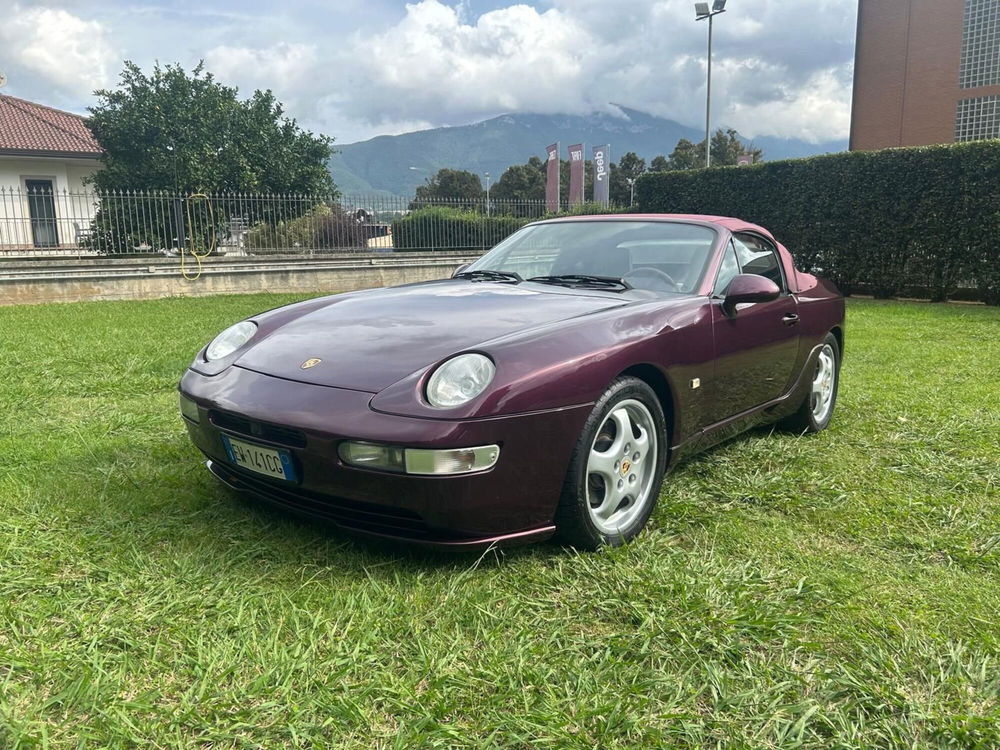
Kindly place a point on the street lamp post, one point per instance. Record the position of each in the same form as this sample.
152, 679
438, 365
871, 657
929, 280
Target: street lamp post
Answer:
702, 12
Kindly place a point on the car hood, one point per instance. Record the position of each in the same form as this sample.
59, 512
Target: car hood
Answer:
370, 340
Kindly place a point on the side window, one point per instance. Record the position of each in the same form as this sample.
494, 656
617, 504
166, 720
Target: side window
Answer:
758, 257
729, 270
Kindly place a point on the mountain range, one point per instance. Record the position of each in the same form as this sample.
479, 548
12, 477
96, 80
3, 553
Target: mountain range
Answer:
398, 164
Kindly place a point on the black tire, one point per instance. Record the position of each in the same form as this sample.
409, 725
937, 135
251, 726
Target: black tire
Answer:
575, 522
805, 419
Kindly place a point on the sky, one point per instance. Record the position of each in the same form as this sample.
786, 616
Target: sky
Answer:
353, 69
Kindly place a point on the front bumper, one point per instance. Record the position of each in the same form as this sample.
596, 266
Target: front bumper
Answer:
514, 502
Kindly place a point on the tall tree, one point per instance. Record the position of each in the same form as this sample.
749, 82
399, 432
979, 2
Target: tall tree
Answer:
452, 184
685, 155
623, 176
726, 150
659, 164
521, 182
174, 130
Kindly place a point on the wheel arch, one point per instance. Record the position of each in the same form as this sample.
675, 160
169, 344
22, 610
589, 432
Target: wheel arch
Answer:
838, 333
652, 376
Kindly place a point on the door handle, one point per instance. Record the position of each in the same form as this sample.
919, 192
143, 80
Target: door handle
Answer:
790, 319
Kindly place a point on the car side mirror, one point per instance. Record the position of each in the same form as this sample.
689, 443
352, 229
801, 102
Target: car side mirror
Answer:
460, 269
749, 287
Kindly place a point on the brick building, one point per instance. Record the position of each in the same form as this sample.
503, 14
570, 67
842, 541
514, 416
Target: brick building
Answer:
926, 71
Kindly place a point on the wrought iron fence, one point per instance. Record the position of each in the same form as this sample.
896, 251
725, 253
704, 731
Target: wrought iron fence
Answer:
136, 223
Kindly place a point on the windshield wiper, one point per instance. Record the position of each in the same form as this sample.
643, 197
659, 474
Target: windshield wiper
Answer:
577, 279
487, 275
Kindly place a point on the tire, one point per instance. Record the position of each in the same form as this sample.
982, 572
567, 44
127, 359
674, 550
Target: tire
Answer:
591, 515
816, 411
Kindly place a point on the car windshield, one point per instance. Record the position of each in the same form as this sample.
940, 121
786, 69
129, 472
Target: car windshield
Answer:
652, 255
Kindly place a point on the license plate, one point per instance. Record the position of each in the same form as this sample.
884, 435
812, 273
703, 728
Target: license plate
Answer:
267, 461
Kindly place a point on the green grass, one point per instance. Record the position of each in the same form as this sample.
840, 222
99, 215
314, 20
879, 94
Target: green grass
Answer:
838, 590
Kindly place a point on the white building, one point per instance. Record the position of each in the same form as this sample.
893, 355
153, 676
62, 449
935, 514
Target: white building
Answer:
45, 155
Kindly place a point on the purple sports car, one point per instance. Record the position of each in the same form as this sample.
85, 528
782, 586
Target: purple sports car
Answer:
543, 390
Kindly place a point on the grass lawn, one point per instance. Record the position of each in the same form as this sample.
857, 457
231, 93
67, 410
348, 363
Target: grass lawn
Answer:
839, 590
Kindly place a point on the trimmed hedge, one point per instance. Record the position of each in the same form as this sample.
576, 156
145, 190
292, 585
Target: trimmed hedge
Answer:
447, 228
911, 221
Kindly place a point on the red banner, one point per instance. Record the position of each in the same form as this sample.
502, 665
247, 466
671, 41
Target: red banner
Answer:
576, 164
552, 179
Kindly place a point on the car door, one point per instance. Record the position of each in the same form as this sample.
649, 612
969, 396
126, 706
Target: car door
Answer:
757, 347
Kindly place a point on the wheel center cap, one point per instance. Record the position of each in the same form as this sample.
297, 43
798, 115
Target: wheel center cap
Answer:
626, 465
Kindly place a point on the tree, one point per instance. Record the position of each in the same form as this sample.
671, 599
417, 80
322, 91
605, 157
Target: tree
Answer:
685, 155
172, 130
726, 150
521, 182
631, 165
659, 164
451, 184
623, 177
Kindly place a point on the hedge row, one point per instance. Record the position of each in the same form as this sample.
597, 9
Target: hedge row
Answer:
913, 221
447, 228
443, 228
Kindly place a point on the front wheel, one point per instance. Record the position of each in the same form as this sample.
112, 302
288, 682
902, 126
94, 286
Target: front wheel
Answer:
817, 409
617, 467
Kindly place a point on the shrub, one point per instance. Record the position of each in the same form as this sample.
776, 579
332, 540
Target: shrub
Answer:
323, 227
447, 228
901, 221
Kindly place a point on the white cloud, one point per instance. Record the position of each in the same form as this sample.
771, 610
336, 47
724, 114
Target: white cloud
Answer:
59, 48
781, 68
513, 59
818, 110
285, 66
580, 55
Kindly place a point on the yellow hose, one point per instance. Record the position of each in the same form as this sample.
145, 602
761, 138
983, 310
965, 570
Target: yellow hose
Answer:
190, 247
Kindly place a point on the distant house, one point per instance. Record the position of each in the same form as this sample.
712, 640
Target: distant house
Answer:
45, 155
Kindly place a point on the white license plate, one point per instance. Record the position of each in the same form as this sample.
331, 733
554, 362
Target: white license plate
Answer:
267, 461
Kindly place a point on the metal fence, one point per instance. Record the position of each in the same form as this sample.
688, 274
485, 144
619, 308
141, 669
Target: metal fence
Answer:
137, 223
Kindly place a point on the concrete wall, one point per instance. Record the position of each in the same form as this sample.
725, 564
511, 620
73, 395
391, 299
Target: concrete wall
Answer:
67, 175
34, 283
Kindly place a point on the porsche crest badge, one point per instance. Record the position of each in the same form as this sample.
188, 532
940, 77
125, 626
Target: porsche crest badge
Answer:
309, 363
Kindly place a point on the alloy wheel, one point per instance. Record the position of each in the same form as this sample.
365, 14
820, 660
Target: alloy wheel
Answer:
823, 384
622, 466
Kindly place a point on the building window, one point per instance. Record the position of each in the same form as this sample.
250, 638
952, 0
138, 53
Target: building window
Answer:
981, 44
978, 119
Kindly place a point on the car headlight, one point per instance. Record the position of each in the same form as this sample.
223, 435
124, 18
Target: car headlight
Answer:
230, 340
460, 379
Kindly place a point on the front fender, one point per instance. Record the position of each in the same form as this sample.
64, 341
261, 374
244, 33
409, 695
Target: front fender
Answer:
572, 363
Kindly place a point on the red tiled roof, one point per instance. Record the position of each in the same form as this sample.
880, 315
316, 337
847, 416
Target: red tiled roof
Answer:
29, 128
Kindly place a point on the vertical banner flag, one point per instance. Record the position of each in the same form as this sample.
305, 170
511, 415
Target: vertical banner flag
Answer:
552, 179
576, 164
602, 175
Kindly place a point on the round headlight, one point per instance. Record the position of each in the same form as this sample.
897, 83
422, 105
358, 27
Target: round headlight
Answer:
230, 340
459, 380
